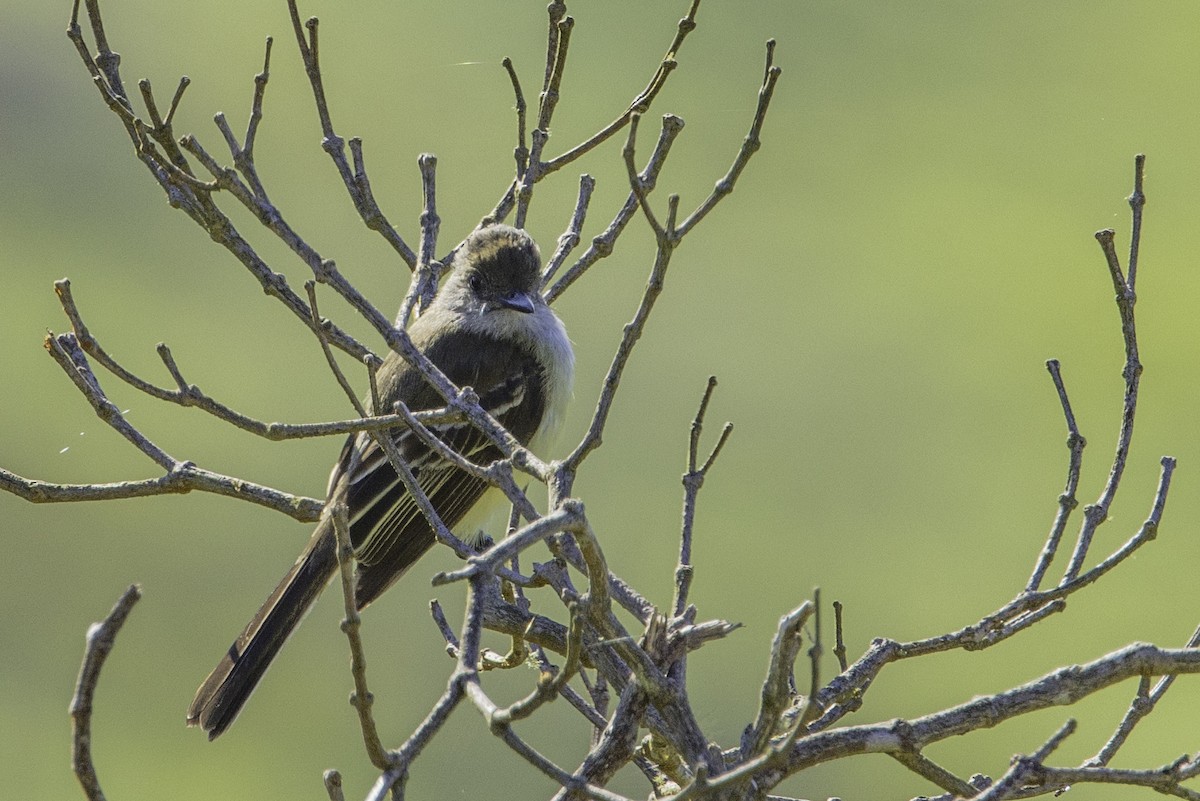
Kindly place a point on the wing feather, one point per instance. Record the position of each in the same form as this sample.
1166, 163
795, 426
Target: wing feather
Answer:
387, 529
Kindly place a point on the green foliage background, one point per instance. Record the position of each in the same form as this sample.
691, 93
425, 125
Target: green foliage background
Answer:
877, 299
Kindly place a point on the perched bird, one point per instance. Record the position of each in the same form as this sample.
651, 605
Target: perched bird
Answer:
488, 328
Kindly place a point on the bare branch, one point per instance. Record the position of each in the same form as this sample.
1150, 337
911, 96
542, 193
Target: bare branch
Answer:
357, 184
602, 245
521, 151
778, 691
570, 238
560, 40
362, 698
839, 648
1097, 513
750, 146
1143, 704
333, 785
934, 773
100, 640
1067, 500
1025, 767
184, 477
632, 333
693, 480
640, 104
181, 476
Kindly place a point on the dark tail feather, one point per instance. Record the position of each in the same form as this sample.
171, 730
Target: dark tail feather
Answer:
227, 688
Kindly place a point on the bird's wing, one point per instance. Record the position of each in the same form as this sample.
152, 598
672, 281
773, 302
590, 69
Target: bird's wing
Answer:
387, 528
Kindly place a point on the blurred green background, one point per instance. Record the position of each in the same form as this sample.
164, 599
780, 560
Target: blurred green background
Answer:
877, 298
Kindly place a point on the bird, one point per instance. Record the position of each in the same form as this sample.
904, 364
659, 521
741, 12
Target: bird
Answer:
488, 328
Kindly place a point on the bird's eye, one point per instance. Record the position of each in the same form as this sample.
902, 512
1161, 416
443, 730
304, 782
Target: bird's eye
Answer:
475, 282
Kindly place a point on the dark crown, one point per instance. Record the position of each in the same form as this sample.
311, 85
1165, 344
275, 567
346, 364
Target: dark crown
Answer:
500, 259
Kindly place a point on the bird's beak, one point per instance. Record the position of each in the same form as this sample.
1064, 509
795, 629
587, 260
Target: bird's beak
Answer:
518, 301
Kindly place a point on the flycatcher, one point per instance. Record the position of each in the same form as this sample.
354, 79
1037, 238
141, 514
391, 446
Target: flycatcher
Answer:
488, 328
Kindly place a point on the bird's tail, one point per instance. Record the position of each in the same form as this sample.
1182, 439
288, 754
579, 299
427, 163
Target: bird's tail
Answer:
227, 688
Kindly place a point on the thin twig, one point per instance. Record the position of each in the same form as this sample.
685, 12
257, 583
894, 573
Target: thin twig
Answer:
640, 104
521, 151
750, 146
355, 180
1137, 201
560, 40
319, 329
1023, 768
1067, 501
185, 477
839, 648
778, 692
361, 699
1142, 705
1097, 513
100, 640
602, 245
570, 237
333, 785
693, 480
934, 773
189, 395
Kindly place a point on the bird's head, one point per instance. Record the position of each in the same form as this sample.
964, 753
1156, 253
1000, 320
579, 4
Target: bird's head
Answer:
497, 269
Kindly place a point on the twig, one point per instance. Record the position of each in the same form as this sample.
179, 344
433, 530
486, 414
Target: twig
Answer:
100, 640
183, 478
568, 517
425, 276
1137, 201
183, 190
1063, 687
750, 146
189, 395
668, 237
934, 773
1025, 769
839, 648
430, 226
570, 238
1097, 513
614, 747
778, 692
632, 333
603, 244
1031, 605
333, 785
65, 350
466, 676
693, 480
810, 709
443, 625
319, 329
639, 105
521, 151
549, 683
1142, 705
560, 40
357, 184
361, 699
180, 476
1067, 500
1019, 614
